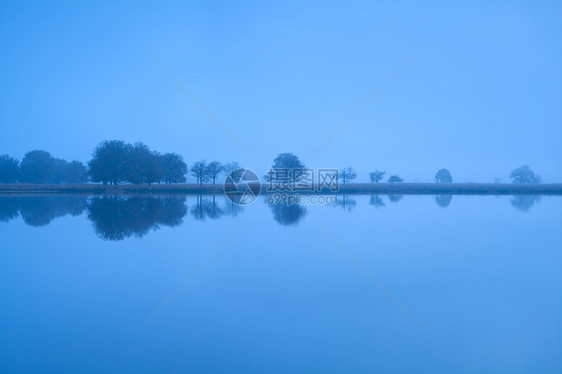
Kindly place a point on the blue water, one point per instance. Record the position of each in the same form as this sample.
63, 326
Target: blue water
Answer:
91, 285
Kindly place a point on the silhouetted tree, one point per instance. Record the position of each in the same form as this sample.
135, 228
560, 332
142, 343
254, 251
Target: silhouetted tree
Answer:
443, 176
214, 169
524, 174
199, 171
173, 167
76, 172
234, 170
108, 163
347, 174
69, 172
9, 169
443, 200
143, 165
37, 167
376, 176
395, 179
283, 168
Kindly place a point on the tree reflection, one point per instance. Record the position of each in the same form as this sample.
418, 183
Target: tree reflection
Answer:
117, 218
346, 203
443, 200
206, 207
287, 215
41, 210
524, 202
377, 201
395, 198
9, 208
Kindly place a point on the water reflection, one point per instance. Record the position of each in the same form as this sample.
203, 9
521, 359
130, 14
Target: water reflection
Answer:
443, 200
524, 202
117, 218
287, 215
346, 203
395, 198
39, 211
377, 201
9, 208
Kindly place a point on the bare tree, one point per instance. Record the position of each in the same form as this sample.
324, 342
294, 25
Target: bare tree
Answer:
347, 174
376, 176
214, 168
199, 171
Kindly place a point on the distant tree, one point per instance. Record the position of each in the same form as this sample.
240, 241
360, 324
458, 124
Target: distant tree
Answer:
143, 165
230, 167
69, 172
9, 169
443, 176
37, 167
283, 168
524, 174
214, 168
395, 179
199, 171
347, 174
108, 163
173, 167
76, 172
376, 176
60, 170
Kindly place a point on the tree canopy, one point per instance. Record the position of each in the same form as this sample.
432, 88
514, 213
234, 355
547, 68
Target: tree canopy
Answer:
443, 176
9, 169
199, 171
173, 168
283, 168
115, 161
524, 174
395, 179
37, 167
376, 176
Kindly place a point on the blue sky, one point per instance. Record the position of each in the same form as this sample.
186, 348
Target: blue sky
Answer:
481, 96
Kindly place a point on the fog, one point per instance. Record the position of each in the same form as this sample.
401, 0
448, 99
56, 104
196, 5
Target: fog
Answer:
479, 96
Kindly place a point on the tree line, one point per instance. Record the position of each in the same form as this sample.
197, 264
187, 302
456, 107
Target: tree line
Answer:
115, 161
522, 174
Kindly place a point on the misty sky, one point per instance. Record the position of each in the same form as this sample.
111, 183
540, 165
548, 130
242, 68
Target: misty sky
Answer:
481, 96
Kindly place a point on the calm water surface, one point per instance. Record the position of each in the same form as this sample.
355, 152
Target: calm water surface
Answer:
196, 284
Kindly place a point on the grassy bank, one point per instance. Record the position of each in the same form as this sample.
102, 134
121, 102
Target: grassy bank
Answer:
352, 188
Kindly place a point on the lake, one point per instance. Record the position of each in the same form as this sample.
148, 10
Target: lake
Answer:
382, 283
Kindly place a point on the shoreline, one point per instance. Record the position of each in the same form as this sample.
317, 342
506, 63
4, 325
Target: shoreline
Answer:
351, 188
